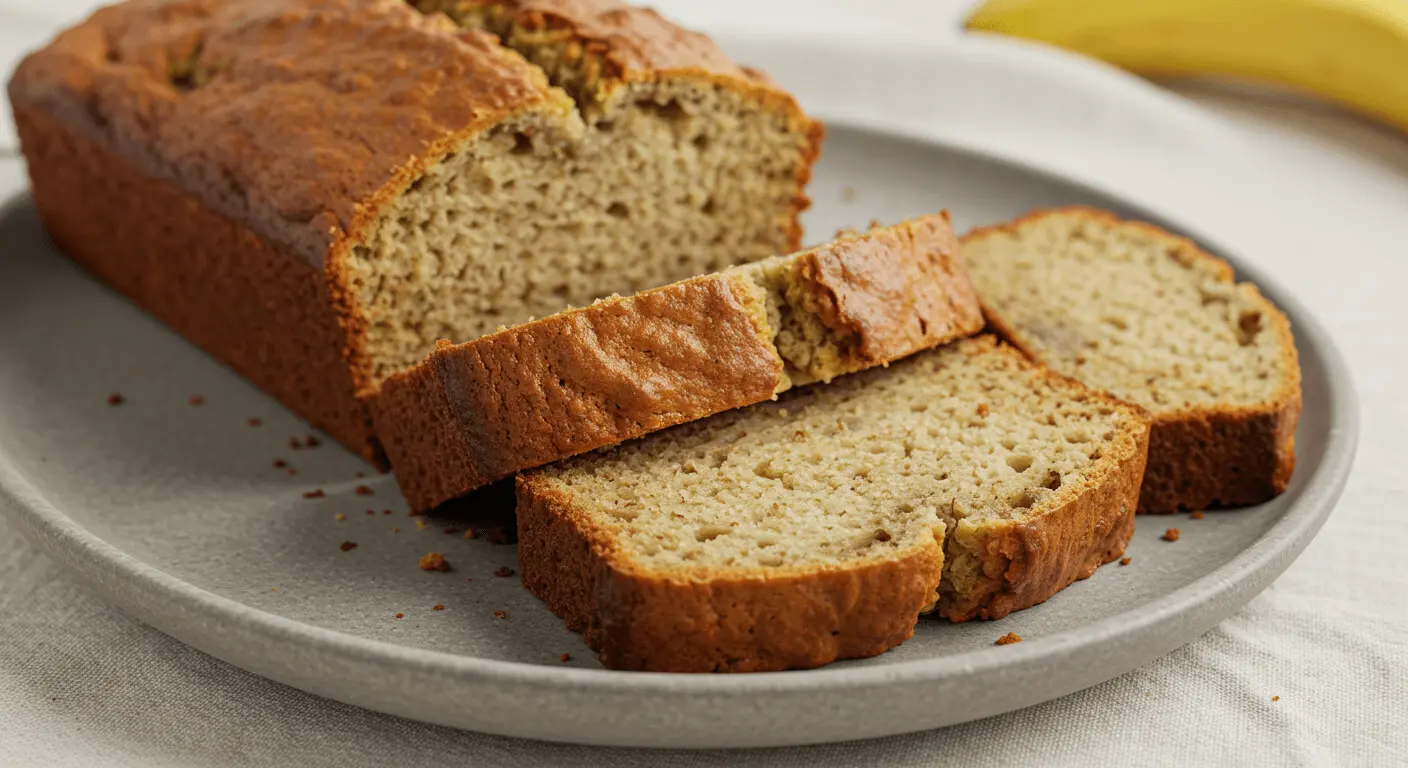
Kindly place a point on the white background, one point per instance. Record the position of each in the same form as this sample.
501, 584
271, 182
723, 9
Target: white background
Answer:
82, 685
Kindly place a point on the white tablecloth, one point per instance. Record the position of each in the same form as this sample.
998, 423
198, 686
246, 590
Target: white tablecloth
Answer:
81, 684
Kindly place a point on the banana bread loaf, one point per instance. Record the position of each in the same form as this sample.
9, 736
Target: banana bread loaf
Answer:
314, 191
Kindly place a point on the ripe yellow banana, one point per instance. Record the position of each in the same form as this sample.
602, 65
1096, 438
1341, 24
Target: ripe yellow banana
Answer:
1351, 51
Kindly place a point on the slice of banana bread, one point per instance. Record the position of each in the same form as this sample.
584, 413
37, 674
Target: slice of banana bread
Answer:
314, 191
1149, 317
793, 533
623, 367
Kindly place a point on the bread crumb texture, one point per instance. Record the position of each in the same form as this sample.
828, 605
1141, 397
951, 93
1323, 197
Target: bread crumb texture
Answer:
1130, 309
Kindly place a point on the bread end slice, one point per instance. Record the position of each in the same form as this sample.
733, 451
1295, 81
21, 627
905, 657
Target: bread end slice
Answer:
1151, 318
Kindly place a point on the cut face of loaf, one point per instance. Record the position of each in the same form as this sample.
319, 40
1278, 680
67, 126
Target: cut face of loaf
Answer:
629, 184
793, 533
1147, 316
623, 367
317, 190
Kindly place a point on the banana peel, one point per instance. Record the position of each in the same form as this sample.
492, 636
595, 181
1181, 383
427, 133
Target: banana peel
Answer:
1354, 52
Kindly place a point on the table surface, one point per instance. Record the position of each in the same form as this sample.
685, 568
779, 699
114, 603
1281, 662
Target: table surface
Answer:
81, 684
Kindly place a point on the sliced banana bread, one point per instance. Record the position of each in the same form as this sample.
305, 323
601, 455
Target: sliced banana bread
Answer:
316, 190
817, 527
1149, 317
622, 367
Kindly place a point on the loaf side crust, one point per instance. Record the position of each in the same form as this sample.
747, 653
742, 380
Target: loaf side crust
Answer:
1027, 562
1224, 456
768, 621
599, 375
256, 307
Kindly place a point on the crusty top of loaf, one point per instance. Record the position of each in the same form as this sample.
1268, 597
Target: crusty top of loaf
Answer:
300, 117
636, 42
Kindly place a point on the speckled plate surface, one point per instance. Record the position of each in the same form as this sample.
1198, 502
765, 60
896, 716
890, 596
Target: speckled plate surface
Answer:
178, 514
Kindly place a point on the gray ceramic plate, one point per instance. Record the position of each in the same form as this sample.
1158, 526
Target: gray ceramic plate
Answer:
177, 514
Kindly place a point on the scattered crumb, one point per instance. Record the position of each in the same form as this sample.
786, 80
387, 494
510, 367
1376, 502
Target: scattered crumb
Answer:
364, 490
371, 512
849, 194
280, 463
316, 493
1171, 534
1275, 698
982, 409
470, 534
451, 530
291, 471
360, 473
469, 579
1196, 515
339, 517
434, 562
394, 529
276, 589
437, 607
504, 572
1009, 638
116, 399
500, 615
564, 658
196, 400
348, 546
400, 615
295, 443
385, 511
422, 525
254, 421
1124, 561
311, 441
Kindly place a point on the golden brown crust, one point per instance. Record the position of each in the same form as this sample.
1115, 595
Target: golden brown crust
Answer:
260, 309
617, 370
894, 291
1202, 457
1026, 562
293, 124
738, 623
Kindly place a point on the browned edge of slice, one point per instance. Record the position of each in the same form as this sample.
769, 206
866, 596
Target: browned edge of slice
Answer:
621, 368
1203, 457
1026, 562
751, 622
259, 308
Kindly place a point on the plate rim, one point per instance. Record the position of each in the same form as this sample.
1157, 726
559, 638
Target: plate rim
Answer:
97, 562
